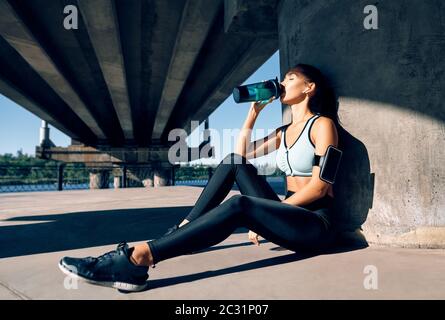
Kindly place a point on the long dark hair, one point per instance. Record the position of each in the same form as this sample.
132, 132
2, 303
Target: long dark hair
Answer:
324, 100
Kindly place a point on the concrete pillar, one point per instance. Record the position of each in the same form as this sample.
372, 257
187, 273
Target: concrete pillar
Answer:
148, 182
117, 182
390, 85
119, 177
155, 175
99, 179
117, 173
140, 176
162, 177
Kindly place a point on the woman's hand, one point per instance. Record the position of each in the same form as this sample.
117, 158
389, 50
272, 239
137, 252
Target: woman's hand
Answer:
254, 238
257, 106
286, 201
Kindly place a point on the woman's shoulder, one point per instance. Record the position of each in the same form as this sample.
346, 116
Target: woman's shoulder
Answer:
321, 120
322, 125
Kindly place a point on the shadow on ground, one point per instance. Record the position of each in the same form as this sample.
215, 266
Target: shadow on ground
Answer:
68, 231
289, 258
61, 232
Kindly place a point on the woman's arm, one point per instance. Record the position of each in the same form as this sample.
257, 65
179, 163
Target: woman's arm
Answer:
261, 146
325, 134
243, 144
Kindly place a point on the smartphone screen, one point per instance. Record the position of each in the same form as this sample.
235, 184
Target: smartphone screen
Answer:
330, 165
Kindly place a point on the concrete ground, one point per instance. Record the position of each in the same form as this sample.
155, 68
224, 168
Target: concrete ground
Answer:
38, 228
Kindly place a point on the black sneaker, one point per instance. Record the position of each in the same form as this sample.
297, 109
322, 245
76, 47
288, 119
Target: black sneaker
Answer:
171, 230
112, 269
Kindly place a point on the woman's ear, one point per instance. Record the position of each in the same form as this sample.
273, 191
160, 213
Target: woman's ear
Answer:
310, 87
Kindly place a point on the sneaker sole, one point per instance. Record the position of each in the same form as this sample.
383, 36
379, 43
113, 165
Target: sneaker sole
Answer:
121, 286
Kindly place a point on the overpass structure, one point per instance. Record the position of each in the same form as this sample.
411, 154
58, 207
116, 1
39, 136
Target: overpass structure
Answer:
118, 76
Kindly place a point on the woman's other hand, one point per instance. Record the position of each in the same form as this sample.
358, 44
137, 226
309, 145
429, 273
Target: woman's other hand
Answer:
257, 106
286, 201
254, 238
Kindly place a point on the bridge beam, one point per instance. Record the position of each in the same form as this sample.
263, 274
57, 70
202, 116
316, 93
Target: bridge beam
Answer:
101, 23
239, 48
17, 34
194, 28
16, 95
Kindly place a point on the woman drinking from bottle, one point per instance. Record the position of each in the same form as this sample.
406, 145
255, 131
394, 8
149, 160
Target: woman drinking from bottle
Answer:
300, 222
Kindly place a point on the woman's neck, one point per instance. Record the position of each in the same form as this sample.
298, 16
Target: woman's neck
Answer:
300, 112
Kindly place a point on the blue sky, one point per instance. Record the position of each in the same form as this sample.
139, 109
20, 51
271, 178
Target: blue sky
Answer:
19, 128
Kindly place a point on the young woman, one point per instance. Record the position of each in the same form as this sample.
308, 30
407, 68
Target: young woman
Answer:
302, 221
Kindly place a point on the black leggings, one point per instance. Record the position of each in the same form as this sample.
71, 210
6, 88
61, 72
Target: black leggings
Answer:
258, 208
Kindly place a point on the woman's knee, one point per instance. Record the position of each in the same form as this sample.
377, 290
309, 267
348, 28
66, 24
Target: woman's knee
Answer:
235, 199
234, 159
238, 203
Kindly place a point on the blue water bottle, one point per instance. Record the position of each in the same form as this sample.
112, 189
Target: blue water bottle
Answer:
260, 91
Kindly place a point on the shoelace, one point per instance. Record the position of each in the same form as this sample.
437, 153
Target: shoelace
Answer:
111, 253
106, 255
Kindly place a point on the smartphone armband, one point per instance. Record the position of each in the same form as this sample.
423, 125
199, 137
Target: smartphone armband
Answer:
328, 163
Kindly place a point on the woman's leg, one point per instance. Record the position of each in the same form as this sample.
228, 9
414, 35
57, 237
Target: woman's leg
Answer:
233, 168
291, 227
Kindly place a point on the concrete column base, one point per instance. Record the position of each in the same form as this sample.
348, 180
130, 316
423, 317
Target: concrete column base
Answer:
148, 182
157, 175
99, 179
421, 237
162, 177
117, 182
140, 177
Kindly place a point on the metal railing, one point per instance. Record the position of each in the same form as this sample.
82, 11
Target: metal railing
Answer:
194, 176
20, 178
50, 177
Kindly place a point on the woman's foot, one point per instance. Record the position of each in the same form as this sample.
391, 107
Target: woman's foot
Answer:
112, 269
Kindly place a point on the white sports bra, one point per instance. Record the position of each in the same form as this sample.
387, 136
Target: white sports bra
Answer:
297, 159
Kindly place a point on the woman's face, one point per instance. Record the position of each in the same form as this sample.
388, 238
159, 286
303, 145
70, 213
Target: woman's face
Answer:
294, 84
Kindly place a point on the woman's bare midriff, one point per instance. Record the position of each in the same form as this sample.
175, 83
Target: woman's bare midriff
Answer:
296, 183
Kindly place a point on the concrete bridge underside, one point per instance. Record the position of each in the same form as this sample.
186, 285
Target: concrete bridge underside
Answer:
132, 71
